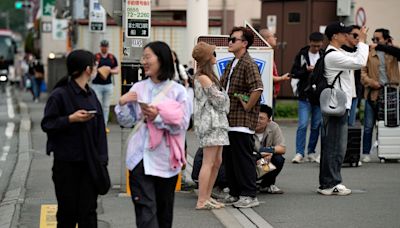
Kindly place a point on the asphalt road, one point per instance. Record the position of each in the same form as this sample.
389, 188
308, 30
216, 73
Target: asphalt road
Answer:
375, 201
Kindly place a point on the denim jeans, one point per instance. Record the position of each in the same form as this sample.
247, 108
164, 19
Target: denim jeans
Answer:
333, 149
369, 122
353, 112
36, 87
305, 109
104, 93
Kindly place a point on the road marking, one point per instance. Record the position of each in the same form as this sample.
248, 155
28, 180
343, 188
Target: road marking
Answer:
6, 149
244, 217
48, 217
10, 129
10, 106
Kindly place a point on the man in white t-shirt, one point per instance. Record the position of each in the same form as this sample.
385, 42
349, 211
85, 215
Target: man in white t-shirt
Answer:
334, 128
302, 67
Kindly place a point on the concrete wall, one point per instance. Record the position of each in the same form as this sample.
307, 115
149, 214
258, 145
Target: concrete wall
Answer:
381, 14
243, 10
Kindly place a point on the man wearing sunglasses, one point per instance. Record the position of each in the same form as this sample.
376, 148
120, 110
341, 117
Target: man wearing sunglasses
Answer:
381, 68
335, 128
241, 77
357, 87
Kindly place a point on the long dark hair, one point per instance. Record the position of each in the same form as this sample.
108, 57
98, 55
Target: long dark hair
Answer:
164, 55
207, 69
177, 63
77, 61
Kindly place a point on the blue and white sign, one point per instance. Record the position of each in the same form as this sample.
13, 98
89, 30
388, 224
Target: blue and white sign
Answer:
263, 57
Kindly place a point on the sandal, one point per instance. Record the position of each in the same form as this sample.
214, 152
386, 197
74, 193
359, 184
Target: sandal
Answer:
208, 206
215, 202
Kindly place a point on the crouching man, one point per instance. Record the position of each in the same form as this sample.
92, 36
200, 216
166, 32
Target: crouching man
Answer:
269, 141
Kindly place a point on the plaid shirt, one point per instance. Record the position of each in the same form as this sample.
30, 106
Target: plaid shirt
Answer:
245, 79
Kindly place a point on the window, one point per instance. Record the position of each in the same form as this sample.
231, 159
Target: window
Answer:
293, 18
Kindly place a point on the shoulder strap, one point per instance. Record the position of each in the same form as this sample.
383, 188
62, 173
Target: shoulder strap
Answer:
98, 57
157, 99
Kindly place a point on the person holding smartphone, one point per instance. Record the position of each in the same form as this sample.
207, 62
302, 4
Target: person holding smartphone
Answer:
269, 141
72, 118
157, 106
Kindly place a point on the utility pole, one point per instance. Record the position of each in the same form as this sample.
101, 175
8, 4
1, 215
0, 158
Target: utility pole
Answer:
197, 22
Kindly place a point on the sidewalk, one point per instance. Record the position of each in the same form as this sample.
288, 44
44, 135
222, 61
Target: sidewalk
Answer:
113, 210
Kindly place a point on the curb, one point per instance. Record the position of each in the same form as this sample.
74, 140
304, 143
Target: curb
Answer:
10, 207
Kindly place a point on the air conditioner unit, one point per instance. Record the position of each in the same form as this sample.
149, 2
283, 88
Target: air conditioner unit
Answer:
343, 8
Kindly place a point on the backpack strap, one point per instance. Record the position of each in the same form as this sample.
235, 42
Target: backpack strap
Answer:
334, 81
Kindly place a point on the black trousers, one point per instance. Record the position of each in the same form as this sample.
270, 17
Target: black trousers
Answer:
240, 164
270, 178
76, 195
153, 198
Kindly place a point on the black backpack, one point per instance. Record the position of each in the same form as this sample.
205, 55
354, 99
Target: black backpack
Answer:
317, 81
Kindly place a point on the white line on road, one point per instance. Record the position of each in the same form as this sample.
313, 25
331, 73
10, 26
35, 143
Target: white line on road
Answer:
10, 129
232, 217
10, 108
6, 149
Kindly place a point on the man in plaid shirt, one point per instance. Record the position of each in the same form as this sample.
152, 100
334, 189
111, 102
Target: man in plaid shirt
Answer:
241, 79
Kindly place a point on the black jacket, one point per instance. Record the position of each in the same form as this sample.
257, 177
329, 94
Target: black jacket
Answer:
391, 50
65, 139
299, 70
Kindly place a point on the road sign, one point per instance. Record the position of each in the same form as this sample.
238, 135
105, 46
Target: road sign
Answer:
138, 18
361, 17
47, 7
260, 51
60, 28
97, 17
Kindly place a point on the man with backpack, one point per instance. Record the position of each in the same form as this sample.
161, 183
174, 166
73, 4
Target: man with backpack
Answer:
303, 65
102, 84
337, 64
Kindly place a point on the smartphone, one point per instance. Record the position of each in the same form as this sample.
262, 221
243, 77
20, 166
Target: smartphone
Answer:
92, 111
143, 105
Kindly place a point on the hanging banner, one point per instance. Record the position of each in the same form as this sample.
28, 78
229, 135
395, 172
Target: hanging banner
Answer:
138, 18
97, 17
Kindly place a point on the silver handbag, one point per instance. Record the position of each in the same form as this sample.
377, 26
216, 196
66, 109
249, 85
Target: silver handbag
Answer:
332, 100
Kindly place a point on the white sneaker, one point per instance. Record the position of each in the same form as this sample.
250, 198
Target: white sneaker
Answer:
298, 158
318, 159
218, 193
272, 189
359, 163
339, 190
312, 157
366, 158
246, 202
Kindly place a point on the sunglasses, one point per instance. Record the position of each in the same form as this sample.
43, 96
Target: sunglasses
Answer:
214, 54
234, 39
375, 39
355, 35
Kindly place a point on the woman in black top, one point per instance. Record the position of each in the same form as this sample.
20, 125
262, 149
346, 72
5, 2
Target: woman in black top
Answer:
74, 123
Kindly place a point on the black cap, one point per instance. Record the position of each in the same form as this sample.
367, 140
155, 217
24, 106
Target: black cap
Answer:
104, 43
335, 28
